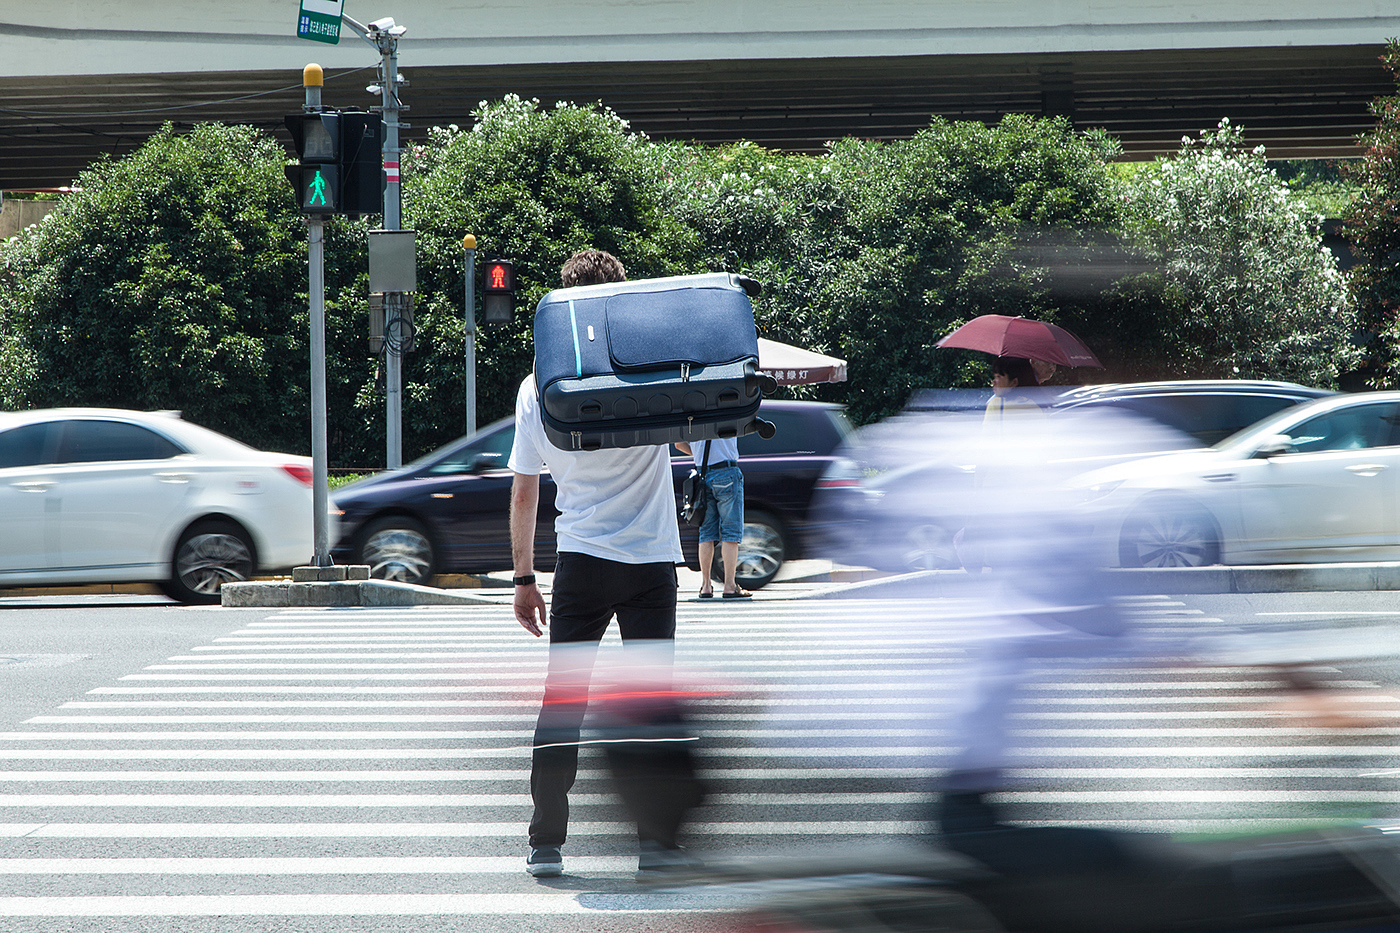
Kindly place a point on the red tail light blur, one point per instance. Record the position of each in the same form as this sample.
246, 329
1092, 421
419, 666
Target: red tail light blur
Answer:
298, 472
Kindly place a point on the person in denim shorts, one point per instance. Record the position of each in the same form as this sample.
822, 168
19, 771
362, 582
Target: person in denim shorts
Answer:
725, 522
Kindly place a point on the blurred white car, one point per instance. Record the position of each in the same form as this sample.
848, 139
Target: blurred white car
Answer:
91, 495
1315, 482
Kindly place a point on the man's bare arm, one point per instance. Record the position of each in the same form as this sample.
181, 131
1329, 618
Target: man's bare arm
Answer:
524, 510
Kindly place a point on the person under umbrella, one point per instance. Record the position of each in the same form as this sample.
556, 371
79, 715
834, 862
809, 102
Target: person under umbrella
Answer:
1044, 371
1010, 375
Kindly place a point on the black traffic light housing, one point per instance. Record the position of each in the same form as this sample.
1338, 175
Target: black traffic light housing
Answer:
341, 170
498, 291
361, 163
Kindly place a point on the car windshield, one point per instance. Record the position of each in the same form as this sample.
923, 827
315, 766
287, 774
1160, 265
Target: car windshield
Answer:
493, 441
1255, 433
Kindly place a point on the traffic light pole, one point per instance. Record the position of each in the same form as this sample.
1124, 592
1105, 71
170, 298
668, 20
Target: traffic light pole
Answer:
316, 296
469, 324
320, 486
384, 36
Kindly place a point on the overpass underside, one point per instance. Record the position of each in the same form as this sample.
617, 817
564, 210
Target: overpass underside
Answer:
1300, 102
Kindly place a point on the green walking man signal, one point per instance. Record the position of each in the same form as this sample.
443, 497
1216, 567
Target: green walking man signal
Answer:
318, 190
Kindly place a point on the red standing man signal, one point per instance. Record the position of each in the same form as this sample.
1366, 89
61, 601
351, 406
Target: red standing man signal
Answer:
498, 297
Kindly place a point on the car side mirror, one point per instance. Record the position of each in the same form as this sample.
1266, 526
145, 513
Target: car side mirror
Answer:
485, 462
1274, 445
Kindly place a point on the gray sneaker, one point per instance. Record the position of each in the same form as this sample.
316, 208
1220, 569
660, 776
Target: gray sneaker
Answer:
545, 862
655, 860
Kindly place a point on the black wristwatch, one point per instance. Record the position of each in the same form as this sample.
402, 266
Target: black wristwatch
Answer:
523, 581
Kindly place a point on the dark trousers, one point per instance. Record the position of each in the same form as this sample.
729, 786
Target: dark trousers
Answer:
588, 591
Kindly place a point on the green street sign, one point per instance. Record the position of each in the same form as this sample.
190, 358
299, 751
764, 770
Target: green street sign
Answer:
320, 20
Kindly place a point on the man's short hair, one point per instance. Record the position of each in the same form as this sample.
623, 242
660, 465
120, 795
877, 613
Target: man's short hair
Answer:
592, 267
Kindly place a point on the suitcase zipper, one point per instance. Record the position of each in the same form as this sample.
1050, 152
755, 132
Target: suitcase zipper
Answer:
685, 372
578, 439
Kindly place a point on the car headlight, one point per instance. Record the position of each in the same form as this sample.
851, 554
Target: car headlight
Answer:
1099, 490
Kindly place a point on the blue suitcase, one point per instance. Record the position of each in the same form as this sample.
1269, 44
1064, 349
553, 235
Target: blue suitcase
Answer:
653, 361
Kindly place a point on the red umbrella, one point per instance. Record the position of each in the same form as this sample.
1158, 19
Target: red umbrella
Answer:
1000, 335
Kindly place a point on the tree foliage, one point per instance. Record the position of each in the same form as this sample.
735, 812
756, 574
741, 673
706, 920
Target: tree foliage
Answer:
176, 278
533, 185
874, 251
959, 221
1246, 287
1373, 227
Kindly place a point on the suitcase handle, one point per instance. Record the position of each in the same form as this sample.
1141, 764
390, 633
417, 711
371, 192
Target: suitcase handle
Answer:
761, 381
752, 287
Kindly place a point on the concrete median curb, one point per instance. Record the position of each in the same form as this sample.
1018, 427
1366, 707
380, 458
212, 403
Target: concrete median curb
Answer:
1270, 578
380, 593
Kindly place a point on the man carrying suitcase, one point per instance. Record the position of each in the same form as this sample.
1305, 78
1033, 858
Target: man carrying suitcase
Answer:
618, 546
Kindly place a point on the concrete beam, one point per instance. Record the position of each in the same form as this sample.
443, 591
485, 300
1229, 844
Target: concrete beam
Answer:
163, 36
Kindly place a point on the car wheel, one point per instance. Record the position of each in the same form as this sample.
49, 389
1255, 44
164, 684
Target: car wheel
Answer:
761, 552
1169, 535
928, 547
398, 548
208, 555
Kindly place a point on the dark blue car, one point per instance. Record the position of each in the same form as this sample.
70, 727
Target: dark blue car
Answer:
449, 512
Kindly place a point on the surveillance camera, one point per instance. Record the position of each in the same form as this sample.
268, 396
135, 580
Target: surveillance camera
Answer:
383, 25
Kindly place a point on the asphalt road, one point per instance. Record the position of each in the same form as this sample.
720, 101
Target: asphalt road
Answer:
168, 768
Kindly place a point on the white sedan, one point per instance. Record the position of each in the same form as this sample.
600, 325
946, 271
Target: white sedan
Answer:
1316, 482
91, 495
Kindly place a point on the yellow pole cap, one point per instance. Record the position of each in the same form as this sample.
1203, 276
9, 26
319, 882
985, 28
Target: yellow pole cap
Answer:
312, 76
468, 242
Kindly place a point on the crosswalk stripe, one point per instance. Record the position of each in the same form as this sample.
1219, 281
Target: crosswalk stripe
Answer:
1200, 693
355, 905
476, 666
1203, 752
332, 775
1281, 728
269, 865
269, 734
398, 801
476, 829
1387, 706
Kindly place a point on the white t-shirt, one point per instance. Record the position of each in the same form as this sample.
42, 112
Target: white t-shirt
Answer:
615, 504
721, 449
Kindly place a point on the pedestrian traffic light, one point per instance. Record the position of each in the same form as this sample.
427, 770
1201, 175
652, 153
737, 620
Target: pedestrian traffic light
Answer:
317, 179
498, 293
341, 170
